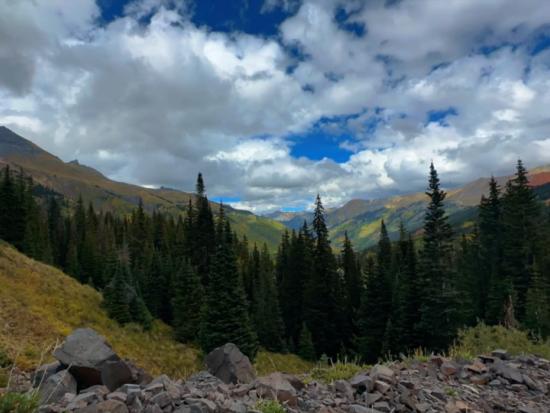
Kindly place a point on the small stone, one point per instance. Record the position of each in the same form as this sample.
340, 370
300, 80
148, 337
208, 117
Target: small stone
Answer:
382, 407
381, 372
107, 406
56, 386
381, 386
500, 353
480, 379
362, 382
477, 367
162, 399
373, 398
448, 368
117, 395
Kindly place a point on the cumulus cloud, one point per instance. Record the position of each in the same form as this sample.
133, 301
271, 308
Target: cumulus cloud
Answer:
152, 98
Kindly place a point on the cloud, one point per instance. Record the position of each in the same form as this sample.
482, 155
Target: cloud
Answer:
151, 98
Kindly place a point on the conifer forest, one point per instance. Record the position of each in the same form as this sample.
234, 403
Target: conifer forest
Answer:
309, 298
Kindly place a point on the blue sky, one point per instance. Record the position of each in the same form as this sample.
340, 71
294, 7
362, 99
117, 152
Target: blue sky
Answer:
275, 101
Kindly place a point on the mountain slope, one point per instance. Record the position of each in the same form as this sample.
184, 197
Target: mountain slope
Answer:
72, 179
40, 305
361, 218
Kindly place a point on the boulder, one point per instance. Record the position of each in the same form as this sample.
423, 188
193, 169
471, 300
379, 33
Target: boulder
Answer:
54, 388
276, 387
45, 371
230, 365
384, 373
115, 373
85, 353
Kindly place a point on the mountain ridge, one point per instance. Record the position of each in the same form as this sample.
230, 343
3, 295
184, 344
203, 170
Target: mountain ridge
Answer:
73, 179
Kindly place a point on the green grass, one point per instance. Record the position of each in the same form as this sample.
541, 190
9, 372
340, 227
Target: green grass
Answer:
270, 406
482, 339
11, 402
341, 370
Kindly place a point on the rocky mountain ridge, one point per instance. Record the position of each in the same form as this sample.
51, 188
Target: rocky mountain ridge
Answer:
89, 377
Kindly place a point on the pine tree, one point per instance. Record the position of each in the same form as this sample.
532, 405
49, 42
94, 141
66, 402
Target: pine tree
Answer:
225, 317
492, 284
267, 315
323, 303
116, 298
187, 303
376, 302
438, 307
521, 219
537, 317
306, 350
352, 277
204, 233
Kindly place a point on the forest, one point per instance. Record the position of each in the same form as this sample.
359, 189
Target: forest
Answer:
193, 272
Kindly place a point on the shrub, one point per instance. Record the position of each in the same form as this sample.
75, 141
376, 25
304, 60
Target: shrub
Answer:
4, 359
18, 402
482, 339
270, 406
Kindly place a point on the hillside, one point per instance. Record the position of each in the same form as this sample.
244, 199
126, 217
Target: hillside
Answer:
72, 179
40, 306
361, 218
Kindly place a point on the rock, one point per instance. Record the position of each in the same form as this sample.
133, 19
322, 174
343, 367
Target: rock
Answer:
381, 386
477, 367
508, 372
357, 408
162, 399
230, 365
362, 382
118, 395
381, 372
83, 400
56, 386
85, 353
115, 373
344, 388
107, 406
276, 387
480, 379
500, 354
45, 371
449, 368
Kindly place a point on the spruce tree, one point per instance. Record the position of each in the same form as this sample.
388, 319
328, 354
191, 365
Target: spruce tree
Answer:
187, 303
225, 317
521, 217
116, 297
376, 302
323, 303
438, 306
537, 317
306, 350
203, 232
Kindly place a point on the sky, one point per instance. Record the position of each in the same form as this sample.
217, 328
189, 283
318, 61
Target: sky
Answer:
275, 101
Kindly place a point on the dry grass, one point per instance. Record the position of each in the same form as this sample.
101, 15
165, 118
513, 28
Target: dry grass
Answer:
40, 305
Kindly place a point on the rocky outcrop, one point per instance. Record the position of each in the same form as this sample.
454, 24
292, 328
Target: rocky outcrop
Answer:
230, 365
490, 383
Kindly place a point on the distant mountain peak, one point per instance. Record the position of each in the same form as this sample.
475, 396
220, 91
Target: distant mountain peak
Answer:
11, 143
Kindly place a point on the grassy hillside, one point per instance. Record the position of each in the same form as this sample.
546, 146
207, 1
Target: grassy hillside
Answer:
40, 305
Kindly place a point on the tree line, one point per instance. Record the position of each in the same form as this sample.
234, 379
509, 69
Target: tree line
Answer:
193, 272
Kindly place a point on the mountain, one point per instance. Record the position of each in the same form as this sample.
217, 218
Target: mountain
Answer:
72, 179
361, 218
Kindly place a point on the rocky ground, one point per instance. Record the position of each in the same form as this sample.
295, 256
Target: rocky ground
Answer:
89, 377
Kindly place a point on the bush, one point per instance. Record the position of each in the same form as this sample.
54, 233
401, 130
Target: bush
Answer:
270, 406
4, 359
18, 402
483, 339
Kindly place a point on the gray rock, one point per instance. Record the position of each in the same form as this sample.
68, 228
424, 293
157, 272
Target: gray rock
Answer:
45, 371
107, 406
357, 408
115, 373
508, 372
230, 365
162, 399
85, 352
500, 354
344, 388
83, 400
276, 387
362, 382
56, 386
381, 372
118, 395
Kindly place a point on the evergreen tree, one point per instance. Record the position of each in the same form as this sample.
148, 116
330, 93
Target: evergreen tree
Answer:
115, 298
521, 219
187, 303
225, 316
537, 318
438, 306
376, 302
204, 233
306, 350
323, 306
492, 283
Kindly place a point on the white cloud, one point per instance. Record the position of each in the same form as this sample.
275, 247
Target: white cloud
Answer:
155, 103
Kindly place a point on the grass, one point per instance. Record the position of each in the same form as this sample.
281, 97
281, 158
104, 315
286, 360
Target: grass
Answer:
40, 306
267, 363
340, 370
482, 339
270, 406
11, 402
